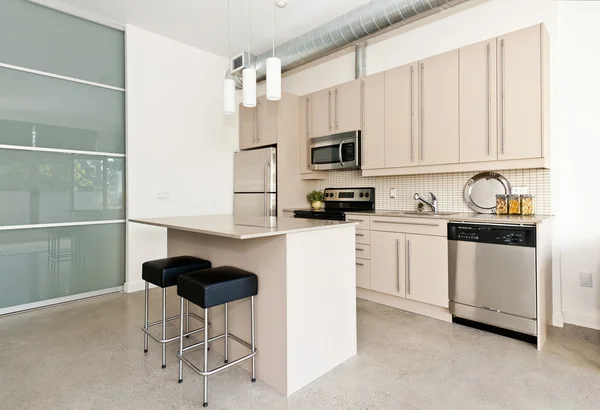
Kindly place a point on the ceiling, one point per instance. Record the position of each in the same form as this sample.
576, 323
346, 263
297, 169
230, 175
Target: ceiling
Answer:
203, 23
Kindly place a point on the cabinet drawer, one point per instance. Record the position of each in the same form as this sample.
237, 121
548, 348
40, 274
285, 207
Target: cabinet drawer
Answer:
363, 273
421, 226
363, 251
363, 237
364, 221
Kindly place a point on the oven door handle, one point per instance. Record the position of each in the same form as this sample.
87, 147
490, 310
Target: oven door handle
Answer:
340, 153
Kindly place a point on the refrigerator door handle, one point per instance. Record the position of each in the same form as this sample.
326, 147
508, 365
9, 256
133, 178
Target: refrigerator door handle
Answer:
266, 187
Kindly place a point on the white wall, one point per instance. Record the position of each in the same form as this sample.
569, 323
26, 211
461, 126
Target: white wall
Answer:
178, 140
444, 32
579, 129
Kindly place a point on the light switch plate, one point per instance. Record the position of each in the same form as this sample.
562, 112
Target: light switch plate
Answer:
585, 279
393, 193
520, 190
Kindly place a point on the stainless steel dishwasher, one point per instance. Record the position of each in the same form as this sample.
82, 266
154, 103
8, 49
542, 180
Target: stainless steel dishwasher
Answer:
492, 277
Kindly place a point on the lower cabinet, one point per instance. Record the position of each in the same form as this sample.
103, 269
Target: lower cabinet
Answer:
363, 273
410, 266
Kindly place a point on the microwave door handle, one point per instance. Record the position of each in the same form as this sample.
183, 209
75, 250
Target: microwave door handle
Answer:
340, 153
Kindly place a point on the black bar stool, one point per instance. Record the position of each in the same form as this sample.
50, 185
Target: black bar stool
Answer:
164, 273
210, 288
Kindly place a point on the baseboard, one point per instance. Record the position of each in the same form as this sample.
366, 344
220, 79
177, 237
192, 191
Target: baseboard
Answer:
132, 287
424, 309
558, 319
582, 319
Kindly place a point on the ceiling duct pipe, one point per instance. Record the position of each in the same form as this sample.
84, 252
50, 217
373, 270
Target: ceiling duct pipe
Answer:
359, 24
360, 60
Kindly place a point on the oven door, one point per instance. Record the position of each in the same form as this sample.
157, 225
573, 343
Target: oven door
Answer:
341, 151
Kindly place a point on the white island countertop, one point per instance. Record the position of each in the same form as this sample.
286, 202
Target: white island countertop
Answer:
240, 228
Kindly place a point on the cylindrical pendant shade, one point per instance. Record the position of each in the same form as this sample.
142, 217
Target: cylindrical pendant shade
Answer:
273, 79
229, 96
249, 91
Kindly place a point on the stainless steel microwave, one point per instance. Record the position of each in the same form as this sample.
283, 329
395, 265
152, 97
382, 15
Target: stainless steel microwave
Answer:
339, 152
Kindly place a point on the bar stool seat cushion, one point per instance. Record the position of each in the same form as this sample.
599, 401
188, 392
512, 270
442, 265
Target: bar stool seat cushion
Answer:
217, 286
164, 272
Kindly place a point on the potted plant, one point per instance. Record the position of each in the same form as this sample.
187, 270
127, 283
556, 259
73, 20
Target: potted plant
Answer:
316, 199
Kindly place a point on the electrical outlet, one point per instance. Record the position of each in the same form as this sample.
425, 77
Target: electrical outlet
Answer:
393, 193
520, 190
163, 195
585, 279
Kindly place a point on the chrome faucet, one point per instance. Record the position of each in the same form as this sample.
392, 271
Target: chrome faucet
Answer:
433, 204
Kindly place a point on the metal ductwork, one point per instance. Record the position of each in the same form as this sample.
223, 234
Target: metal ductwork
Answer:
356, 26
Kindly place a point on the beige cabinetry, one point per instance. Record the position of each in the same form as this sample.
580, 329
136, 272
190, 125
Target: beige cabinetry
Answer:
401, 116
373, 127
258, 125
305, 133
388, 267
477, 79
337, 109
520, 91
439, 138
363, 250
427, 269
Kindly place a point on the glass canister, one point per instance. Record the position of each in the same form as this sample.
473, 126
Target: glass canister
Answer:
502, 204
527, 204
514, 204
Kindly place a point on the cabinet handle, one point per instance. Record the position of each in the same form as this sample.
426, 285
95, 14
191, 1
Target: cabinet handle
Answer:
329, 109
412, 114
408, 246
503, 95
354, 220
337, 122
359, 249
257, 121
422, 142
489, 144
406, 223
360, 264
359, 234
398, 262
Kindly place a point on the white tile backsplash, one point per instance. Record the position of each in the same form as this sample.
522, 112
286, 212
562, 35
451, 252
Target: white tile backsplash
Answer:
448, 188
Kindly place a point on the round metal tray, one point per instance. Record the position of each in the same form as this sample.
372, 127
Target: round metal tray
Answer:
481, 190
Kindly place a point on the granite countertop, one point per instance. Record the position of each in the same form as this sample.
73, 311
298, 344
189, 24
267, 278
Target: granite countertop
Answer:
241, 228
458, 217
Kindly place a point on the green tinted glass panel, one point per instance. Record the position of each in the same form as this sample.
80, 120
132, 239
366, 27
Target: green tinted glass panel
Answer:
39, 38
47, 112
40, 264
42, 187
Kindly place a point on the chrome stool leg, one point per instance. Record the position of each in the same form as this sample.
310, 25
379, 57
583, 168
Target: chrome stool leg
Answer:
146, 317
205, 359
226, 337
187, 317
181, 337
252, 337
164, 327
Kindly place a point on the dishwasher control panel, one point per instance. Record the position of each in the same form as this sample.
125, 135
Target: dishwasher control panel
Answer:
494, 234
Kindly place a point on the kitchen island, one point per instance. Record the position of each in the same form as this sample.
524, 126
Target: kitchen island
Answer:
306, 303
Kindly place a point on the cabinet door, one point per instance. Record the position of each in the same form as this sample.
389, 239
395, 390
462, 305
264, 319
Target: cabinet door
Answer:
520, 91
401, 116
363, 273
246, 127
439, 109
373, 129
266, 121
478, 131
388, 263
427, 269
346, 103
322, 121
304, 134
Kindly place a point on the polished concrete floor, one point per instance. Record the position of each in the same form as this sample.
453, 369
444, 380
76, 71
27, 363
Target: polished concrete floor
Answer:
88, 355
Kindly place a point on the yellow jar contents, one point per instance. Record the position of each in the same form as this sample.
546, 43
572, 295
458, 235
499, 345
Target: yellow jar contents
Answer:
501, 205
527, 205
514, 205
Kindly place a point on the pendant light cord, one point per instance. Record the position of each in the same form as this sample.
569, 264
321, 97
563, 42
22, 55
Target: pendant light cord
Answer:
273, 30
228, 37
249, 23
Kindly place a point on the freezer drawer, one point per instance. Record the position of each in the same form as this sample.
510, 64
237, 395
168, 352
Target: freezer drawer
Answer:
254, 205
491, 276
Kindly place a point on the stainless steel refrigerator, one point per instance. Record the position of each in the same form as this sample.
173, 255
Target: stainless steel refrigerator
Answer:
255, 183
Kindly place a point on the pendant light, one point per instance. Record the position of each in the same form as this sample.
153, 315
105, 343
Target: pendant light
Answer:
228, 83
249, 75
274, 66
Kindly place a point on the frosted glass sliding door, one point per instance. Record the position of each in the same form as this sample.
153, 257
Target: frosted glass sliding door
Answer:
62, 157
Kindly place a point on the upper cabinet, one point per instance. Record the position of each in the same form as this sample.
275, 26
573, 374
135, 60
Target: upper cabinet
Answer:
258, 125
373, 127
401, 116
520, 91
336, 109
477, 79
439, 141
